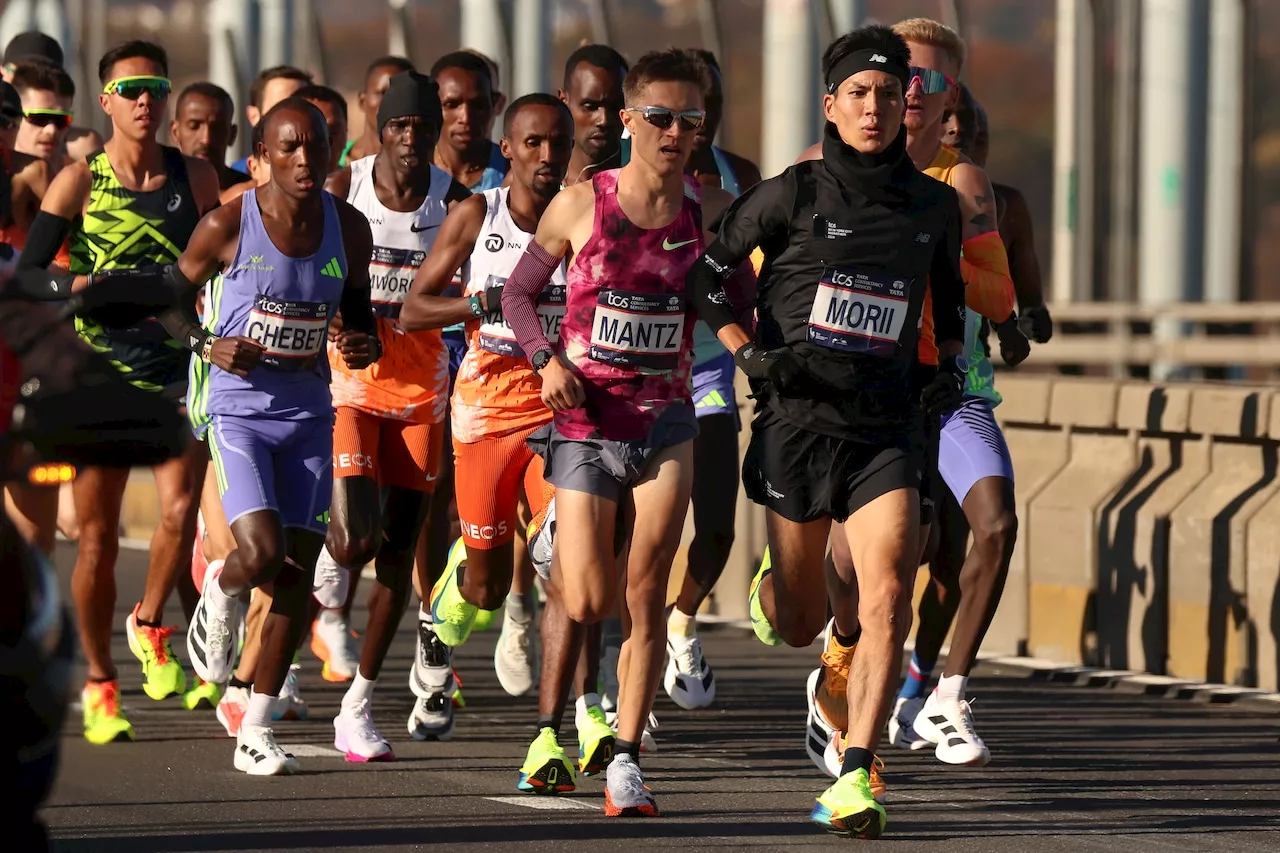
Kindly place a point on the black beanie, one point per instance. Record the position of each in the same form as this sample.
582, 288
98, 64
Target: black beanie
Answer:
411, 94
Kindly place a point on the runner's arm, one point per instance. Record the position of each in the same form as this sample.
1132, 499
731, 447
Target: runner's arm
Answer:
206, 252
204, 184
983, 262
947, 285
62, 204
356, 305
424, 307
741, 285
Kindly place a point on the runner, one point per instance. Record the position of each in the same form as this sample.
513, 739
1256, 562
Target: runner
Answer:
134, 205
376, 79
689, 680
592, 90
390, 418
618, 381
838, 434
333, 106
47, 94
270, 87
204, 127
284, 248
464, 149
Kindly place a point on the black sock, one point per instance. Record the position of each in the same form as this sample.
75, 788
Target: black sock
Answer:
550, 721
849, 641
630, 747
235, 682
144, 623
854, 757
111, 677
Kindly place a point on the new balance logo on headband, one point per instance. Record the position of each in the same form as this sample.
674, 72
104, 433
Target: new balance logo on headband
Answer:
876, 57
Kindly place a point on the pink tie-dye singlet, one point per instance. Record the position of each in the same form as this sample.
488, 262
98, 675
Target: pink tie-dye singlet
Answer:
627, 328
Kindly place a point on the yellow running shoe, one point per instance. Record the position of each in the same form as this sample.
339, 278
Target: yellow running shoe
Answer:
452, 614
848, 808
760, 622
204, 695
546, 768
104, 719
161, 673
595, 740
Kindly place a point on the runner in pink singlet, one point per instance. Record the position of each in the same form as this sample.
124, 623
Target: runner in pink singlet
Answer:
618, 381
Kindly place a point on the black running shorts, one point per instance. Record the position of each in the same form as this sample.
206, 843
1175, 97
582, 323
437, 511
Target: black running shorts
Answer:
805, 476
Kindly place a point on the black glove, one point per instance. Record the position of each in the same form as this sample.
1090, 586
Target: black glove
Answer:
780, 367
1036, 324
945, 391
493, 304
1014, 346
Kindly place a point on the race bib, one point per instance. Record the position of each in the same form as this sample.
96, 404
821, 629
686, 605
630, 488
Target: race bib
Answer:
643, 330
497, 337
391, 271
293, 333
855, 311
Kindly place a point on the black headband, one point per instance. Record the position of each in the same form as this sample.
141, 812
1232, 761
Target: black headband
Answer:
864, 60
410, 94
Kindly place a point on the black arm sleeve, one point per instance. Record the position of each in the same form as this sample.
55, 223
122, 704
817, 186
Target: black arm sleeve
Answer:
357, 311
755, 216
181, 321
945, 281
45, 237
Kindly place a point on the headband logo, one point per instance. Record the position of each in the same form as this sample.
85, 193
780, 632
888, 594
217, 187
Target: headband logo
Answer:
875, 57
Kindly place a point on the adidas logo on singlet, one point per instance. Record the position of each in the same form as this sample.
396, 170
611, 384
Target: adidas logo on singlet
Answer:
332, 269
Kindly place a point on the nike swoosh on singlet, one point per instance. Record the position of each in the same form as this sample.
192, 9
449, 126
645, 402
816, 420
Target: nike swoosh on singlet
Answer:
416, 230
669, 246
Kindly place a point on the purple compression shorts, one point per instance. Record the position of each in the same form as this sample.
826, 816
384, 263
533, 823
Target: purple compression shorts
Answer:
972, 448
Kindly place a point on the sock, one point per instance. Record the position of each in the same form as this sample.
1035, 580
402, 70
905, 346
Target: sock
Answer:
106, 680
235, 682
627, 747
854, 757
259, 710
361, 689
849, 641
219, 597
918, 673
681, 625
951, 688
586, 700
517, 608
424, 614
549, 721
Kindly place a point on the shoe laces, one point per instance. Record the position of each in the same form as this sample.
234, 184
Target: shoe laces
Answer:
104, 697
433, 653
689, 657
328, 573
963, 721
626, 782
511, 641
262, 738
361, 716
157, 646
835, 669
218, 632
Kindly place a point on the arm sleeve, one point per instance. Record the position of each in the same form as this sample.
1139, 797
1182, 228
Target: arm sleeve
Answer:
357, 311
45, 237
181, 321
520, 297
989, 286
761, 212
946, 282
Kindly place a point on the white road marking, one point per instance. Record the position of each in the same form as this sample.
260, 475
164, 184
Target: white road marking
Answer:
544, 803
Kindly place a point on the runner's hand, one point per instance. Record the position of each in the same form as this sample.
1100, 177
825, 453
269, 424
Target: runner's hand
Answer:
945, 392
236, 354
780, 367
1036, 323
1014, 346
561, 388
335, 327
493, 304
359, 349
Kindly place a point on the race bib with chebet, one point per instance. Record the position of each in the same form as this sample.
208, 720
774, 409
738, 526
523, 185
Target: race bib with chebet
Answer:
856, 311
639, 330
293, 333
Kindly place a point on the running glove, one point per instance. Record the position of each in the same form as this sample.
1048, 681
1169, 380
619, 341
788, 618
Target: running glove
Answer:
1014, 346
780, 367
1036, 323
493, 304
945, 391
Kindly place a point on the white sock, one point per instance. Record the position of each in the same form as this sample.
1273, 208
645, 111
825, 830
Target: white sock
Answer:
682, 625
361, 689
259, 710
219, 597
586, 700
424, 614
517, 609
951, 688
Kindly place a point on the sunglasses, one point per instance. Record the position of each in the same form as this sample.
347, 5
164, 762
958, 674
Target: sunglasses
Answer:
662, 118
133, 88
931, 82
61, 119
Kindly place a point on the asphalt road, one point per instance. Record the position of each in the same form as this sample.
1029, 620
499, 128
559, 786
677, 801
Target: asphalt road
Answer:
1073, 769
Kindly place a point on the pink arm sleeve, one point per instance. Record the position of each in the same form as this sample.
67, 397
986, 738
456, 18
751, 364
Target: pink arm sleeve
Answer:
520, 297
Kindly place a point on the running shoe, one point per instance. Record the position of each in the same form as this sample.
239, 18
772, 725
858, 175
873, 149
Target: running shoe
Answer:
515, 657
232, 708
835, 765
203, 695
949, 725
595, 740
333, 644
104, 719
541, 536
432, 718
211, 637
485, 619
689, 680
456, 697
625, 794
199, 565
162, 675
258, 754
432, 670
356, 737
760, 622
818, 732
332, 582
826, 695
902, 731
452, 614
546, 768
290, 705
848, 807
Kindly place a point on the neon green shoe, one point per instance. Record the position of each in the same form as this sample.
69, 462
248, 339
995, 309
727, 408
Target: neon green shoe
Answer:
546, 768
848, 808
104, 719
485, 618
203, 695
452, 614
161, 673
760, 622
595, 741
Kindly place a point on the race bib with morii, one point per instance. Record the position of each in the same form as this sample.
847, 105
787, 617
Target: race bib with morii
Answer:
856, 311
638, 330
391, 271
293, 333
497, 337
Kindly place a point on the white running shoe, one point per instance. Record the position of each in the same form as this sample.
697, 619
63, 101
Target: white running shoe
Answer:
647, 742
232, 708
432, 718
258, 754
432, 670
689, 680
950, 726
817, 731
515, 658
332, 582
902, 732
210, 643
332, 643
542, 542
355, 735
290, 705
625, 794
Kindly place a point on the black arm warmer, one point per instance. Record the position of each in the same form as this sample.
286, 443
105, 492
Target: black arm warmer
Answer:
40, 283
44, 238
357, 311
181, 321
704, 286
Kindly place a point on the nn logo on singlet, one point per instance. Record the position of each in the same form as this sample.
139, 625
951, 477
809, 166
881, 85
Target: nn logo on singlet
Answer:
332, 269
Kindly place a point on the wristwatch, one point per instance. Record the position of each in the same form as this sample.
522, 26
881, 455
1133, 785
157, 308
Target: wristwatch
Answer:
957, 364
539, 360
477, 308
207, 350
